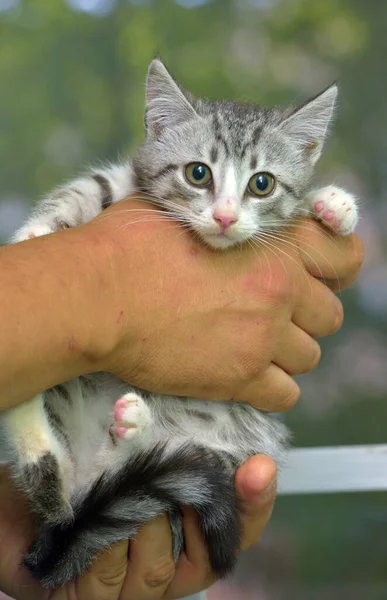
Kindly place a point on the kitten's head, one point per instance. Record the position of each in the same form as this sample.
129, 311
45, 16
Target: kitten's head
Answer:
228, 170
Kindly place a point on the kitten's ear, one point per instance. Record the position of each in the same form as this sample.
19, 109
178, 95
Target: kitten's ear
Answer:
166, 105
308, 124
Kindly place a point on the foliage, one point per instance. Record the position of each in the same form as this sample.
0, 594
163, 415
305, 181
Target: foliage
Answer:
72, 85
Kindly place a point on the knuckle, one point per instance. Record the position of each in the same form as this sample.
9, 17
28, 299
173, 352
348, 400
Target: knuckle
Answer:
339, 318
113, 578
289, 400
317, 356
251, 367
160, 573
357, 254
314, 359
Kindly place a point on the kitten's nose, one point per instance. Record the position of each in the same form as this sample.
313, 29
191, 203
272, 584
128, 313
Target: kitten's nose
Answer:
225, 219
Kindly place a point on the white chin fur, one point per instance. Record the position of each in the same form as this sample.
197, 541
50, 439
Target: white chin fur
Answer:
219, 241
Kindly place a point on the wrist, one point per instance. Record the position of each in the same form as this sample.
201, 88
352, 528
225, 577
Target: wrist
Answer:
100, 322
114, 253
133, 257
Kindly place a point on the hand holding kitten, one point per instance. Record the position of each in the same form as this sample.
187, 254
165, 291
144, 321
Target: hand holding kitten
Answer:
246, 320
150, 572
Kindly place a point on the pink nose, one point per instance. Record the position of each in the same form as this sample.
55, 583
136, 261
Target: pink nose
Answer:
225, 220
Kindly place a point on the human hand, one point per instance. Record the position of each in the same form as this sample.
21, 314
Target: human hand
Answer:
149, 573
219, 325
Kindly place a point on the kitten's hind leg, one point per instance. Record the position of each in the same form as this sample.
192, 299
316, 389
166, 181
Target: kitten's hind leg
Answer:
39, 463
335, 207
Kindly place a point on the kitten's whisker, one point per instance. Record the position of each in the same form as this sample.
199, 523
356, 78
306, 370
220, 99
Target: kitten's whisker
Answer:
286, 240
126, 225
153, 199
253, 248
269, 242
263, 253
148, 211
280, 231
326, 234
286, 237
315, 217
270, 247
184, 227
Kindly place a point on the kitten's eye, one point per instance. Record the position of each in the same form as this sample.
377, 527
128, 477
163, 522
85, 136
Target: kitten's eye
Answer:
198, 174
261, 184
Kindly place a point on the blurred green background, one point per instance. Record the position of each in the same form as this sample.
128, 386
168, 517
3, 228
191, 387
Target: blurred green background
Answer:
72, 84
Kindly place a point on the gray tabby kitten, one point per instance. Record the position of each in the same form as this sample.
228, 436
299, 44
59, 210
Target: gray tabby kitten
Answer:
97, 458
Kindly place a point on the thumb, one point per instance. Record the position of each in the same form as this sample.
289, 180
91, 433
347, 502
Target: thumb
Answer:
256, 483
104, 579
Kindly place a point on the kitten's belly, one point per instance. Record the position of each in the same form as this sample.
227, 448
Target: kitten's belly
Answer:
231, 427
228, 427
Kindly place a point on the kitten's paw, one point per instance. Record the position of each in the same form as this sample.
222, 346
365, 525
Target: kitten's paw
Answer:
132, 417
336, 208
30, 231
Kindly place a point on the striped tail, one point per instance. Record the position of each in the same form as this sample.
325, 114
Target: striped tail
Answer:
149, 484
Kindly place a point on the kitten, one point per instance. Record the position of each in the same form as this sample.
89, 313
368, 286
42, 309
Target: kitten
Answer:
97, 458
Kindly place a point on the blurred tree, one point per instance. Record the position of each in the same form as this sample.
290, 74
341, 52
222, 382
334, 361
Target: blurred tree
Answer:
72, 84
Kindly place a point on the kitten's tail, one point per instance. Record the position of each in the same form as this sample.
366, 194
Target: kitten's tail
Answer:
148, 485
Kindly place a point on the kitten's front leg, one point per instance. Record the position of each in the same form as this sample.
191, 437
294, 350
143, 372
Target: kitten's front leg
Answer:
128, 434
132, 421
335, 207
78, 202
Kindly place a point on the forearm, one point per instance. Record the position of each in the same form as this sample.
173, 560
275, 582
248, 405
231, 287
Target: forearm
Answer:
51, 295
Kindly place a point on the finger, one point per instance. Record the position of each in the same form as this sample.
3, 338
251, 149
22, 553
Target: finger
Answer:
298, 352
337, 259
193, 572
151, 567
103, 581
272, 391
256, 483
318, 311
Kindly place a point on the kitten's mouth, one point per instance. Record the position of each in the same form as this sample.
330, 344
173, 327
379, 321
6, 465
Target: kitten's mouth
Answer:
219, 240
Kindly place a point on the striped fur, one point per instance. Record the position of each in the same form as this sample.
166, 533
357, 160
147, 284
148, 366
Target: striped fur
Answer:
87, 486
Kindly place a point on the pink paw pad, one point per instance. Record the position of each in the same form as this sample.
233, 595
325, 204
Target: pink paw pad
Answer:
328, 216
120, 431
119, 408
319, 206
121, 425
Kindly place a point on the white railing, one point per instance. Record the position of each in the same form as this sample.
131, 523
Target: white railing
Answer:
335, 469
